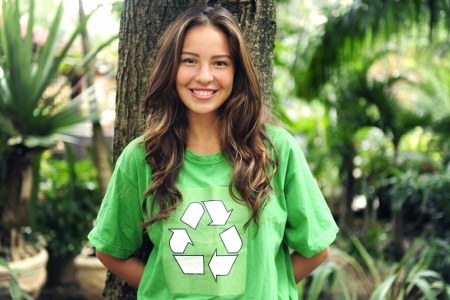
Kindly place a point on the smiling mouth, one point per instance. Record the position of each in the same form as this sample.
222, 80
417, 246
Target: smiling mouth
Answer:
203, 92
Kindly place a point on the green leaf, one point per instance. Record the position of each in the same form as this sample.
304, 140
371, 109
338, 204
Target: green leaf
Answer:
323, 277
383, 289
427, 281
27, 72
368, 285
425, 288
366, 256
15, 290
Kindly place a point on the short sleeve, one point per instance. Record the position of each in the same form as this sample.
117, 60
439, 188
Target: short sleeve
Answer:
117, 230
310, 226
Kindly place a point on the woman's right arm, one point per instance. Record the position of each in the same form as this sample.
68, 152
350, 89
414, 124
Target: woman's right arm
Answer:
129, 269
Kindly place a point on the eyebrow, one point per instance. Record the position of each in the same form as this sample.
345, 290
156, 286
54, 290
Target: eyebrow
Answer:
214, 56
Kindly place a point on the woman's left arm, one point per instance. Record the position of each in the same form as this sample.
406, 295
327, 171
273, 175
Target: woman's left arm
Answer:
303, 266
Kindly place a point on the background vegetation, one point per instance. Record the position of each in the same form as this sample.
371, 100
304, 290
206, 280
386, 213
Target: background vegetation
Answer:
365, 86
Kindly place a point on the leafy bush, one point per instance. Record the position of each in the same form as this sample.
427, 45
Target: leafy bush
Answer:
68, 204
423, 200
436, 191
410, 278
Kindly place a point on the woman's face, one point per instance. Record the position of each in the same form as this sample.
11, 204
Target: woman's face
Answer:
206, 71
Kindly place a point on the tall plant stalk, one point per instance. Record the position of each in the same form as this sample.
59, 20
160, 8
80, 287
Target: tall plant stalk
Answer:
101, 152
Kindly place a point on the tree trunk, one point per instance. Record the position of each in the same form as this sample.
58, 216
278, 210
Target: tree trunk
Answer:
142, 23
15, 211
349, 193
398, 236
18, 183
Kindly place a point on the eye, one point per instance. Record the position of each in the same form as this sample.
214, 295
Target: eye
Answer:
188, 61
221, 63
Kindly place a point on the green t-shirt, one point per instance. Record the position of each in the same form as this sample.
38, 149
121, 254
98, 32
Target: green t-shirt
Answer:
202, 251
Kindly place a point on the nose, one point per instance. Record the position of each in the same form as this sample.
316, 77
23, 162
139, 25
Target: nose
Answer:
204, 74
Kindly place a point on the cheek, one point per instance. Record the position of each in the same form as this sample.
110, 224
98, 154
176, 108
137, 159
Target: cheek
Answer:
180, 77
183, 76
226, 79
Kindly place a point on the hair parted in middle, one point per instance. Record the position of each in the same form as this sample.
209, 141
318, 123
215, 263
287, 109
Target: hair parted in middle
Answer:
243, 139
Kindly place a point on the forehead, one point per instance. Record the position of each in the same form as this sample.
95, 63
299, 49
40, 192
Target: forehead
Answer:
206, 39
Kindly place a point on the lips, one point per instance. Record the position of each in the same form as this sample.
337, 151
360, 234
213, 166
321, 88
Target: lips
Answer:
202, 94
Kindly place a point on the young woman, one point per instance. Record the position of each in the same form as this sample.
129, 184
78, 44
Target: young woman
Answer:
226, 198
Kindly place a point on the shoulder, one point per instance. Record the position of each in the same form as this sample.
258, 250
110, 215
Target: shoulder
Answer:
134, 151
281, 138
289, 155
131, 163
274, 130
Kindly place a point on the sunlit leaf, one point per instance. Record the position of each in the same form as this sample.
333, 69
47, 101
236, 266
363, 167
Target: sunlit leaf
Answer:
383, 289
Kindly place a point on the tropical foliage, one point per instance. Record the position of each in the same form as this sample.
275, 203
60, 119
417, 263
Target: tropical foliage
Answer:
68, 203
364, 85
35, 112
410, 278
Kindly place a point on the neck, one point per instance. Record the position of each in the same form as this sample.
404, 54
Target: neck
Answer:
203, 136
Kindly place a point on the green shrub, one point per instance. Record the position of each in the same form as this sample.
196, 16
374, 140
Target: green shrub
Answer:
424, 201
68, 204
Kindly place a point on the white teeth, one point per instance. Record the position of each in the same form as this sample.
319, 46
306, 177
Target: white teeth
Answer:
203, 93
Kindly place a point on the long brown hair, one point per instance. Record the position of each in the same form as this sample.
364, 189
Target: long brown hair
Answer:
242, 135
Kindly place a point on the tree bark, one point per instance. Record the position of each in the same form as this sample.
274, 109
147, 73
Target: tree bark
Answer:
15, 210
142, 23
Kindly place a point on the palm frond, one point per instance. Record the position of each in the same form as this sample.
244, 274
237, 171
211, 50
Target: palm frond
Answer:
28, 70
361, 24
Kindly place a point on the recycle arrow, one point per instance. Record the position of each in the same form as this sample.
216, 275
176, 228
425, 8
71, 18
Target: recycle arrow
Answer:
193, 214
190, 264
179, 240
218, 212
220, 265
231, 240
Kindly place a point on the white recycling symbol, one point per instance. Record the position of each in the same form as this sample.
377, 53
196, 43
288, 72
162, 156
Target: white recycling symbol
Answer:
219, 265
